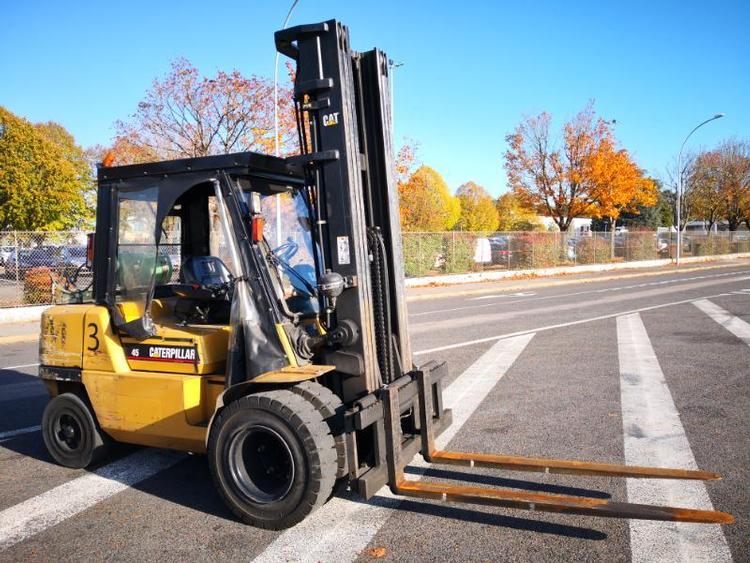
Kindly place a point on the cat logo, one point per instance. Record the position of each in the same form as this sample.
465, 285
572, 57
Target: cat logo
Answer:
331, 119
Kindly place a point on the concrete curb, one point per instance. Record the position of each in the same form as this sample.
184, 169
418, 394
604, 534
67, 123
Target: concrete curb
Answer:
456, 279
22, 314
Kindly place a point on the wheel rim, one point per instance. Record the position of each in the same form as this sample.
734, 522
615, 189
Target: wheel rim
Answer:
67, 432
261, 464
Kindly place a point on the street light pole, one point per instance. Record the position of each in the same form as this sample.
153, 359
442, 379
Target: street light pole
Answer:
393, 66
276, 121
679, 185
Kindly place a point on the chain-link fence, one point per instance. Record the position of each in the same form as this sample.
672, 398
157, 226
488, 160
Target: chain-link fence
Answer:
457, 252
34, 266
38, 268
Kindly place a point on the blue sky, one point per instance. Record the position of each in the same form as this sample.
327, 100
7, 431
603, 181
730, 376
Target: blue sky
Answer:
471, 69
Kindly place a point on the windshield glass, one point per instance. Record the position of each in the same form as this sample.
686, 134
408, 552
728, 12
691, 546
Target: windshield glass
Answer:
288, 231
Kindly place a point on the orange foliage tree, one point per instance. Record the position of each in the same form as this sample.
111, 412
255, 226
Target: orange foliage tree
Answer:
556, 180
617, 184
185, 114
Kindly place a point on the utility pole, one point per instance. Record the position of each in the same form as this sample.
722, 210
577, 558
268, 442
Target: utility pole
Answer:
277, 149
679, 185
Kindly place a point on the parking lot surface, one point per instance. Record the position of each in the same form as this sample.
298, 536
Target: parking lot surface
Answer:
651, 370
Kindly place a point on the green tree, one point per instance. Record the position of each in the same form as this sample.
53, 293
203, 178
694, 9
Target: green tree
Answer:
43, 182
513, 215
426, 204
478, 211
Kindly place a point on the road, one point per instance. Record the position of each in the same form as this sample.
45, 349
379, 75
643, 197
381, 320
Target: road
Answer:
650, 370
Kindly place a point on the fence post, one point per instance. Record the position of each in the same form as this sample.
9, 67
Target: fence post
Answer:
451, 266
507, 253
16, 255
419, 252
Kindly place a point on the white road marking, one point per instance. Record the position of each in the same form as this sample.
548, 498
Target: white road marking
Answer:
8, 434
654, 435
499, 295
7, 368
735, 325
341, 529
52, 507
561, 325
572, 294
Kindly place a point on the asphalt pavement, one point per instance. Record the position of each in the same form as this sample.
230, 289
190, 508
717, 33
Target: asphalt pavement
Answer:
642, 368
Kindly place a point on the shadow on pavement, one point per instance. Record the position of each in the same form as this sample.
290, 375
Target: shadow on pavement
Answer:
454, 512
189, 484
496, 481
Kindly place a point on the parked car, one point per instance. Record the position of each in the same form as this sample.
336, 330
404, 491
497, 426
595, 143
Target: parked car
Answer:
500, 249
24, 260
70, 259
5, 252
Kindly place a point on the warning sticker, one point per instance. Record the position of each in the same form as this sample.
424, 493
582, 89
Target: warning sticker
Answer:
342, 244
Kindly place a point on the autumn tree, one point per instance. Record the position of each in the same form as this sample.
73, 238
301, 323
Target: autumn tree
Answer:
185, 114
407, 160
556, 180
44, 176
704, 188
478, 211
683, 170
734, 181
617, 185
426, 202
513, 215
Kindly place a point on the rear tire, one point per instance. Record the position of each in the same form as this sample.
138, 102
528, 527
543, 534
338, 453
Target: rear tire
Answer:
71, 433
272, 458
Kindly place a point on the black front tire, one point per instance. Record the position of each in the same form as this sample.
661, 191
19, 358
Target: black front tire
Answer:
329, 405
272, 458
71, 433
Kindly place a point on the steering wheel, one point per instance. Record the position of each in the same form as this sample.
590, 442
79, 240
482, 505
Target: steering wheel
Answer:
286, 251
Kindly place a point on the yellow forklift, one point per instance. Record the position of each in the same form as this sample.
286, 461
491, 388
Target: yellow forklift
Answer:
252, 308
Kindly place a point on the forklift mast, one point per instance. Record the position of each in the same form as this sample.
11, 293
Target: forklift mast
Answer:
343, 107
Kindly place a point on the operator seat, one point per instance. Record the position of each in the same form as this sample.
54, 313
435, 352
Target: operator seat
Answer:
205, 292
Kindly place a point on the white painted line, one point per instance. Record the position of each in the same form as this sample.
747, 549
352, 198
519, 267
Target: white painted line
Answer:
499, 295
341, 529
563, 295
561, 325
654, 436
735, 325
7, 368
56, 505
20, 431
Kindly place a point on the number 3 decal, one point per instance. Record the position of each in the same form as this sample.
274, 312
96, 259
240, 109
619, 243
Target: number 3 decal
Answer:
94, 328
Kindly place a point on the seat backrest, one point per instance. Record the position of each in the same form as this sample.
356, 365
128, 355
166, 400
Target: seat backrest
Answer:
204, 271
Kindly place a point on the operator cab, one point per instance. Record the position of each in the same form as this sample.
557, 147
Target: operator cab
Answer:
175, 246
